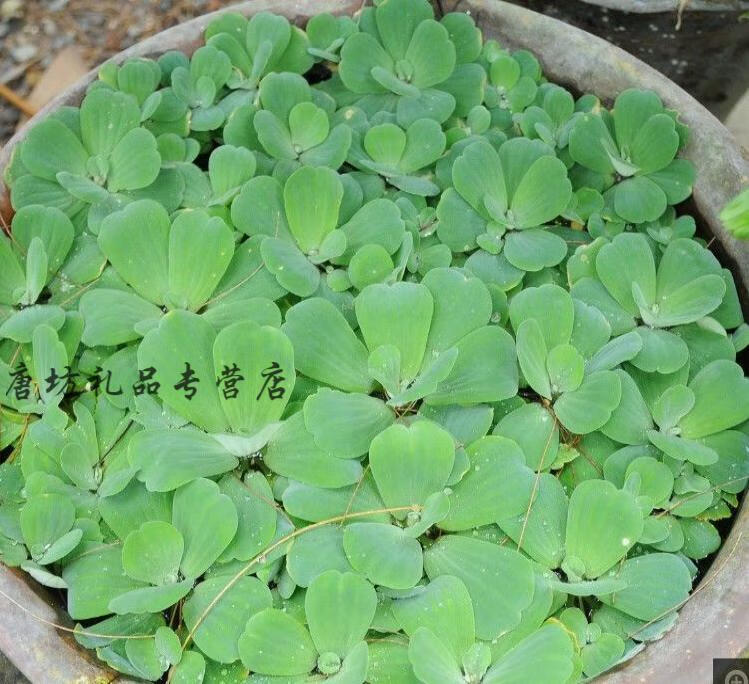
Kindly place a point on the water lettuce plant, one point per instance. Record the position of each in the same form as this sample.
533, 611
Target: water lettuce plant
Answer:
363, 353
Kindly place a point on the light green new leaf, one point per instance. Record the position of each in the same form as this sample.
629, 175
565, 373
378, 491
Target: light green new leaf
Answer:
219, 630
656, 584
200, 250
274, 643
143, 224
207, 520
168, 459
399, 314
312, 197
497, 485
153, 553
339, 609
343, 424
499, 580
254, 369
410, 463
603, 523
384, 554
315, 326
180, 350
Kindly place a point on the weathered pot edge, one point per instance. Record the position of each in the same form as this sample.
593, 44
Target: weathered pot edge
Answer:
606, 70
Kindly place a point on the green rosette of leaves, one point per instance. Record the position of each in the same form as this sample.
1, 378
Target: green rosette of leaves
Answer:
634, 148
403, 60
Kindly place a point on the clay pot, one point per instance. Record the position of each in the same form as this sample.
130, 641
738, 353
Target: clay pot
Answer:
715, 622
702, 45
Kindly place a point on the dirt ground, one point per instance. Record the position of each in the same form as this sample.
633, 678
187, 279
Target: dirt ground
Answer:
34, 32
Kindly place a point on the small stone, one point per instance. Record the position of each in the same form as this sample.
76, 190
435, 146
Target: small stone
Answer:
11, 9
23, 52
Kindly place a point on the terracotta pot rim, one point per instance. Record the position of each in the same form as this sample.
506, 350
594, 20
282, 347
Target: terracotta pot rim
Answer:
572, 57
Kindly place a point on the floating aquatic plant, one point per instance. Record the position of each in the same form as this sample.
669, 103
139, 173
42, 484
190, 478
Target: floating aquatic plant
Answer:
415, 373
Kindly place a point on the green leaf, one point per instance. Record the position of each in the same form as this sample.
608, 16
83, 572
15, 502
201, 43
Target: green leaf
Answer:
384, 554
542, 530
223, 614
625, 262
292, 452
290, 267
344, 425
497, 606
542, 194
639, 199
315, 326
565, 367
111, 316
150, 599
191, 668
316, 552
379, 312
431, 660
590, 406
550, 306
168, 459
534, 250
497, 485
452, 318
631, 419
207, 520
256, 514
254, 369
180, 350
603, 523
534, 429
274, 643
484, 371
200, 250
94, 579
44, 520
721, 400
339, 609
135, 162
51, 147
50, 364
444, 607
546, 655
106, 117
410, 463
312, 197
656, 584
602, 654
532, 354
153, 553
146, 269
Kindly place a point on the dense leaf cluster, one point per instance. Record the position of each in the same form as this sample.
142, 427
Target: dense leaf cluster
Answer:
408, 374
